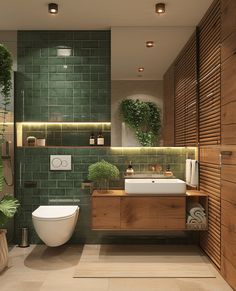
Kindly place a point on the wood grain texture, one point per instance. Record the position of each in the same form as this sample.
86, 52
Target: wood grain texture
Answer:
228, 215
228, 47
210, 241
209, 77
105, 212
228, 191
228, 173
168, 108
186, 117
228, 248
153, 213
228, 18
228, 79
228, 272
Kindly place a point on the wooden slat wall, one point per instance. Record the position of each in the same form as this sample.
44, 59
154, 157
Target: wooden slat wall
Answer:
168, 112
186, 95
228, 148
209, 77
210, 241
228, 214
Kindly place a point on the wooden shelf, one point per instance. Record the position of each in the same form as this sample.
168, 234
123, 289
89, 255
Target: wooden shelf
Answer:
69, 147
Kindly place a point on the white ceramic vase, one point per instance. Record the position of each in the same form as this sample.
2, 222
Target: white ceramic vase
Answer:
3, 250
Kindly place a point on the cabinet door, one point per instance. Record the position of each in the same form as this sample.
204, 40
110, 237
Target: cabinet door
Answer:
105, 212
160, 213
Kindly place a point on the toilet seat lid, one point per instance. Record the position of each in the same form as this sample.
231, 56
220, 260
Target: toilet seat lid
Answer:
55, 212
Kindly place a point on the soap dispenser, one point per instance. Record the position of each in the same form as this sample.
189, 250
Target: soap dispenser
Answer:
130, 170
168, 172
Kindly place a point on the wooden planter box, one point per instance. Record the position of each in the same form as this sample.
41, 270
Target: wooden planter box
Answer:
3, 250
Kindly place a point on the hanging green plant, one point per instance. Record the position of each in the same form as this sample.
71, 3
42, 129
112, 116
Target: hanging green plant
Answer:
144, 118
5, 85
5, 92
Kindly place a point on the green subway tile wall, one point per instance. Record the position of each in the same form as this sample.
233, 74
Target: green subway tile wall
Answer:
66, 134
75, 88
54, 187
54, 88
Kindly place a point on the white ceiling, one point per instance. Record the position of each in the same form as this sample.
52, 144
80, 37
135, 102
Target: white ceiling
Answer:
134, 22
98, 14
128, 51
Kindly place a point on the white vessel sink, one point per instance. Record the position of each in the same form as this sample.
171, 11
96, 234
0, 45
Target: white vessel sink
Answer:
155, 186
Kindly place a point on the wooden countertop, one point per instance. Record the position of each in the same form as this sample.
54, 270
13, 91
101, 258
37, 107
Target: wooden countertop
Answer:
120, 193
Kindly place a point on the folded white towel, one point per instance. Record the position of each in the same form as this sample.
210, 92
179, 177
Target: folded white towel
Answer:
194, 205
190, 219
194, 173
188, 171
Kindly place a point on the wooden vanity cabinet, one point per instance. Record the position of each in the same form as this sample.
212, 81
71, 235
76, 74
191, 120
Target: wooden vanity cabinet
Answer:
118, 211
106, 212
153, 213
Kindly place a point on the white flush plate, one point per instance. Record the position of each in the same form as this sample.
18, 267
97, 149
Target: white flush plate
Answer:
60, 162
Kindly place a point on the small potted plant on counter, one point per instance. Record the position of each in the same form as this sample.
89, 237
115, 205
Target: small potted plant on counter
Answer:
101, 173
8, 207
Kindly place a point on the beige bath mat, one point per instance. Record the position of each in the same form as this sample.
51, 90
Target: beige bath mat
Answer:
122, 261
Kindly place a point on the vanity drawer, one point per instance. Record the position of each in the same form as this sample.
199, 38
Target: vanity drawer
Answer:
159, 213
106, 213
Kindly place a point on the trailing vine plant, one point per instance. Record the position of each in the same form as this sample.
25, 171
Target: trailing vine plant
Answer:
144, 118
5, 92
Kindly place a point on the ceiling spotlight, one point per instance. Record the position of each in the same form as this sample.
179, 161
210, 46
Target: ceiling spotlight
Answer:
53, 8
141, 69
149, 43
160, 8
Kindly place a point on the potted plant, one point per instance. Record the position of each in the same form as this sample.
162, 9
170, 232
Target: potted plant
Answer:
101, 173
8, 207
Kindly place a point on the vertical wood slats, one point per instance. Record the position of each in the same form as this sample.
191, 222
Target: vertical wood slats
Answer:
168, 110
210, 175
186, 96
210, 77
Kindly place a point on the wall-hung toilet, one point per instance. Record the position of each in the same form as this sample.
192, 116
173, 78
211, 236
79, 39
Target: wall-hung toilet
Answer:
55, 224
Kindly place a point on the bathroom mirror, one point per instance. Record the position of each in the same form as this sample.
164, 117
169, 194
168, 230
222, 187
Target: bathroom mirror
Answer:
129, 53
152, 49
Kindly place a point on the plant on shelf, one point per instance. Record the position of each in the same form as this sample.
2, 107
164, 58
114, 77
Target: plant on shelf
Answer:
101, 173
144, 118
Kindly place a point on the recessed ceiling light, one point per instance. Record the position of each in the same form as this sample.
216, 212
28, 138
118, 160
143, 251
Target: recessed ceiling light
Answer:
141, 69
53, 8
149, 43
160, 8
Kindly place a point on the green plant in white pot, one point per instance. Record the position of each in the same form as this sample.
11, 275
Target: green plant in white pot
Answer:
8, 204
101, 173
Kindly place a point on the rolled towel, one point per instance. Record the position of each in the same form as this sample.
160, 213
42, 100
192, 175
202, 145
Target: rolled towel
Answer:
195, 205
188, 171
194, 173
197, 212
192, 220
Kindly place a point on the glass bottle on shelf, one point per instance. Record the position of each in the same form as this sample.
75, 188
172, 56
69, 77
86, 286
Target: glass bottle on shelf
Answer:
100, 139
92, 139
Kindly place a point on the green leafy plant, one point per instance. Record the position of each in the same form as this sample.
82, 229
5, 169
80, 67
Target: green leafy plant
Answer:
5, 84
8, 208
144, 118
5, 91
101, 173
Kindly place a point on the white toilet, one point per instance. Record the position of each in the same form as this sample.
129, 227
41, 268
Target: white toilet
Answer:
55, 224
